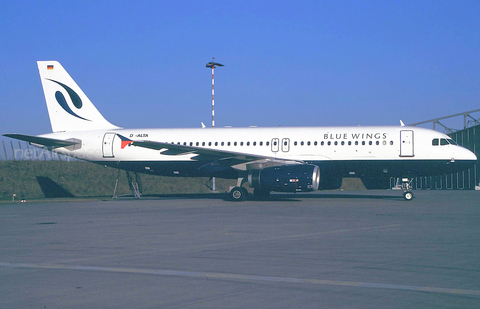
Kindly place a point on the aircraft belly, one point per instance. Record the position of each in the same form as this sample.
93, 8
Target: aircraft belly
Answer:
391, 168
174, 168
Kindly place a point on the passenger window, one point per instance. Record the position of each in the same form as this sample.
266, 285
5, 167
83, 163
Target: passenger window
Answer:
235, 144
336, 143
343, 143
308, 143
261, 143
248, 143
315, 143
267, 143
356, 143
322, 143
295, 143
329, 143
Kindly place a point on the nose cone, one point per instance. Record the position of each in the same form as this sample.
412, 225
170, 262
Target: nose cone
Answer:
467, 155
463, 159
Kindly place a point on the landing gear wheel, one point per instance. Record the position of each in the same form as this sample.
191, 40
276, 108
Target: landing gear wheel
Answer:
407, 188
408, 196
238, 194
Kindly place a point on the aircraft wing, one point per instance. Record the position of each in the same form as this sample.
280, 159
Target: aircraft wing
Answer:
223, 157
42, 141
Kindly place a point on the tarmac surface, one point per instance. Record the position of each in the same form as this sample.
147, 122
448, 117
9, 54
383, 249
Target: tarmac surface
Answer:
366, 249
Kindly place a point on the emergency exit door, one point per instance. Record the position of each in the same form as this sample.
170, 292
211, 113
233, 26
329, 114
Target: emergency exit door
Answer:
406, 143
285, 144
275, 145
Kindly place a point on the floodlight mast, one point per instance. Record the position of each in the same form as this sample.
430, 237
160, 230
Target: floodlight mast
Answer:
213, 65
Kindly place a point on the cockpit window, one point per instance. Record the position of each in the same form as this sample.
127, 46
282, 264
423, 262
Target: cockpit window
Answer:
443, 141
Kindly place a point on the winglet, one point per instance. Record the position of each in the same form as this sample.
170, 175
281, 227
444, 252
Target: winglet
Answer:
401, 123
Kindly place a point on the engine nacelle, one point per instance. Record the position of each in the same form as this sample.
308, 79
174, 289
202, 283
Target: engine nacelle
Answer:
286, 178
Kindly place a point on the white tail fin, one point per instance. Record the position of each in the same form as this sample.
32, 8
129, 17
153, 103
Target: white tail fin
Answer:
68, 107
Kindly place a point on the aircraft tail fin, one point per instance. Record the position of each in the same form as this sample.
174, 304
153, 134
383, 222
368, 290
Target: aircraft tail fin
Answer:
68, 107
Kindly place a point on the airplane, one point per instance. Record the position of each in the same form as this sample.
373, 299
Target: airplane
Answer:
279, 159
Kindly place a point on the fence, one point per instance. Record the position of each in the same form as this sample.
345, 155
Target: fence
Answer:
22, 151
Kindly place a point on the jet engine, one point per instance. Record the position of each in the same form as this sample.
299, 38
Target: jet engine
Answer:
286, 178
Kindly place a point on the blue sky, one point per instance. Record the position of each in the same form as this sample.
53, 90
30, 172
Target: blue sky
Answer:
289, 63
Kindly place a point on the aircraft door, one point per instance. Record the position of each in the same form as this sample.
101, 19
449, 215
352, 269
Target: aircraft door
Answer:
285, 144
107, 145
406, 143
275, 145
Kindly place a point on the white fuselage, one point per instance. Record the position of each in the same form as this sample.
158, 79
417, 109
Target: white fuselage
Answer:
317, 145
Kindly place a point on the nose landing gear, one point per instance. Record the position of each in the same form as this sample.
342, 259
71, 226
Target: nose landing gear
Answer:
407, 188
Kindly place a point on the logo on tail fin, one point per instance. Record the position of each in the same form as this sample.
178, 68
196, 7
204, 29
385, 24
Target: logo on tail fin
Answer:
77, 102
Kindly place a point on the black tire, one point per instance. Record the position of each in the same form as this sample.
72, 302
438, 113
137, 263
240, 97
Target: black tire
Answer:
238, 194
408, 195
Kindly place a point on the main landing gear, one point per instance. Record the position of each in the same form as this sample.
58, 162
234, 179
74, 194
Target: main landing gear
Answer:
407, 188
238, 193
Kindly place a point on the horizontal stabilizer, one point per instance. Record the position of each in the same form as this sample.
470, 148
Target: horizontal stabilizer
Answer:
43, 141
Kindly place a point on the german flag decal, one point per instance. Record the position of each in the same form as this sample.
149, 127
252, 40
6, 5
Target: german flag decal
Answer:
50, 67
